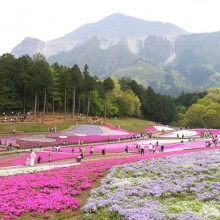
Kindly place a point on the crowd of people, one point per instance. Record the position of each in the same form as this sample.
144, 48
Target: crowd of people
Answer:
138, 147
151, 148
30, 161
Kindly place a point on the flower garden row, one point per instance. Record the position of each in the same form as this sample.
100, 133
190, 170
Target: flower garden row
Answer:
180, 187
89, 134
38, 193
55, 190
82, 133
73, 152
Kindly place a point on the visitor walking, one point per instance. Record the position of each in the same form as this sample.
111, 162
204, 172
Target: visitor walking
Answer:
32, 158
49, 158
150, 147
91, 150
126, 149
39, 159
142, 148
162, 148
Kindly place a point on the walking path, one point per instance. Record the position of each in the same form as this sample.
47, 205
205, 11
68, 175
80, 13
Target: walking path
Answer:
196, 146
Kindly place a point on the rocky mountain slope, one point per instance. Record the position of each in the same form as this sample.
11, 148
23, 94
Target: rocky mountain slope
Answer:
155, 54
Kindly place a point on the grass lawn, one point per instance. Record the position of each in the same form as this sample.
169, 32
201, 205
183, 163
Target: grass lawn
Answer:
130, 124
31, 126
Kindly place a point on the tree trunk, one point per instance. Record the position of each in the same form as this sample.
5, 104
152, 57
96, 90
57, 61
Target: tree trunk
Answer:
38, 105
84, 105
53, 107
65, 104
79, 106
44, 110
35, 106
105, 109
24, 103
88, 105
74, 102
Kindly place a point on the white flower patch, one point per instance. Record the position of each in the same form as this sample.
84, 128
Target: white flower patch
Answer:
38, 137
80, 134
108, 131
128, 181
28, 169
185, 133
163, 128
209, 211
62, 136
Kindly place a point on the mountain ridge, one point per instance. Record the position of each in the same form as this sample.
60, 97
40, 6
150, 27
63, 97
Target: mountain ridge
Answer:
121, 45
111, 29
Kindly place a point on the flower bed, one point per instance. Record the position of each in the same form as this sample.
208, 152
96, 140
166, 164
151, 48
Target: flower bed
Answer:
85, 133
66, 152
55, 189
180, 187
50, 190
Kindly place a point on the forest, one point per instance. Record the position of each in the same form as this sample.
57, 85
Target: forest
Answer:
31, 84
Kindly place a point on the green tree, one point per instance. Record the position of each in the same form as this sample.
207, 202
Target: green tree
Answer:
41, 80
205, 113
64, 79
89, 86
55, 94
108, 86
77, 81
24, 68
9, 97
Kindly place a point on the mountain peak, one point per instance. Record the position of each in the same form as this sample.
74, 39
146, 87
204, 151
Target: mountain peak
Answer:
111, 30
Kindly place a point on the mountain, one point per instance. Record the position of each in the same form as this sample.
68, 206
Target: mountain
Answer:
112, 30
153, 53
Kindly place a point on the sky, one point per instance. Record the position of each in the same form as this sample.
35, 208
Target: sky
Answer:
49, 19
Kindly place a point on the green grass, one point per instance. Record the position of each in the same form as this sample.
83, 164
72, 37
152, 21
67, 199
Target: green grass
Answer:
130, 124
29, 127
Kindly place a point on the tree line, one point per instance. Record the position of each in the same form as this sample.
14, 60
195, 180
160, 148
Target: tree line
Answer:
32, 84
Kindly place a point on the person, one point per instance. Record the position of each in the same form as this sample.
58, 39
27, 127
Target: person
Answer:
150, 147
206, 144
27, 162
82, 155
39, 159
91, 150
153, 149
14, 131
83, 150
215, 141
79, 158
103, 151
32, 158
72, 150
49, 158
126, 149
142, 148
162, 148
